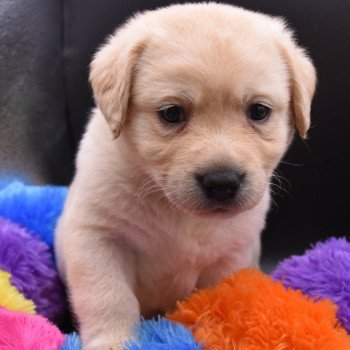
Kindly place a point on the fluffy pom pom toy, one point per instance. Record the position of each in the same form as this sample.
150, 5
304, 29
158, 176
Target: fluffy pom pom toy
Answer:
71, 342
162, 335
29, 262
322, 272
35, 207
251, 311
11, 298
247, 311
19, 331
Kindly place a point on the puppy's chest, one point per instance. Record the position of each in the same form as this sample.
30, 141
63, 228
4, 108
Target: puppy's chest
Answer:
167, 277
173, 259
171, 268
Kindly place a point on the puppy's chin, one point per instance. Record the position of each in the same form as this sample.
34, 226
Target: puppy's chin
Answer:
219, 212
206, 209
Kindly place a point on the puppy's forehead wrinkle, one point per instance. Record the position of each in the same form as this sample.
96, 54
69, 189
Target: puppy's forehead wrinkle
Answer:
204, 78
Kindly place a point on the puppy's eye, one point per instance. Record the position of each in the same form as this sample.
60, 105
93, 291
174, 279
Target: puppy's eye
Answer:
258, 112
172, 114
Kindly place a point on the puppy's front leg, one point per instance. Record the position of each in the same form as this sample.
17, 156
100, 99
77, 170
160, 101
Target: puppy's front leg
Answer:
100, 276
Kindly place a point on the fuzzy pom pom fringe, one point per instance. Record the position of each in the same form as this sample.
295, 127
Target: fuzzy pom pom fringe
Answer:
21, 331
251, 311
162, 335
30, 264
323, 272
35, 207
71, 342
11, 298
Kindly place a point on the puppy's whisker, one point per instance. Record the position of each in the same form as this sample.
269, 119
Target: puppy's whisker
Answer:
292, 164
282, 183
189, 204
274, 203
277, 189
278, 175
173, 204
147, 188
151, 192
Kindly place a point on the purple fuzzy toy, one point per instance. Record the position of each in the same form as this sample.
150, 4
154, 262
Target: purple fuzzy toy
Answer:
30, 264
324, 272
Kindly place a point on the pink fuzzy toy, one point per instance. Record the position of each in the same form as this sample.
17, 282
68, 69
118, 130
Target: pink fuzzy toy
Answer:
22, 331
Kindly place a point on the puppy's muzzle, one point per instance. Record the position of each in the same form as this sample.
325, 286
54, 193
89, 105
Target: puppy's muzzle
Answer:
220, 186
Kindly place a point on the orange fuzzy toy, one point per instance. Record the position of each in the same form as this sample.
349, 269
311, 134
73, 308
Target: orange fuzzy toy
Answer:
250, 311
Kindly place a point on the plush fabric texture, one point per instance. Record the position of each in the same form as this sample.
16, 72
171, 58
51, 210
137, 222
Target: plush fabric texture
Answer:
11, 298
71, 342
162, 334
323, 271
32, 270
35, 207
250, 311
21, 331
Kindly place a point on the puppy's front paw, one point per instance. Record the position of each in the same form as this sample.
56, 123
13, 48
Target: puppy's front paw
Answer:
103, 347
103, 344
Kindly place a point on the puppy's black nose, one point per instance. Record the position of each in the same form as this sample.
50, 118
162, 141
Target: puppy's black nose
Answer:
220, 185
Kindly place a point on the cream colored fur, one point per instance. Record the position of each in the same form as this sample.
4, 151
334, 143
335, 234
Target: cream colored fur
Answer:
134, 236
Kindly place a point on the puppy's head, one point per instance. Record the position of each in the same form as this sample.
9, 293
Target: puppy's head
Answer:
209, 96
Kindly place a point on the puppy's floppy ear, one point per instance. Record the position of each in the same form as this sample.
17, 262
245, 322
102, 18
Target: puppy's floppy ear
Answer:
302, 82
111, 76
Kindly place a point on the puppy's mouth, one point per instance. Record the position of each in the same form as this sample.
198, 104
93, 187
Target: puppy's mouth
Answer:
202, 207
221, 210
219, 213
217, 210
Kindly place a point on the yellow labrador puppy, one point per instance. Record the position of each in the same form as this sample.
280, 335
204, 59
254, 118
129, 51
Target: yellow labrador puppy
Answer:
196, 105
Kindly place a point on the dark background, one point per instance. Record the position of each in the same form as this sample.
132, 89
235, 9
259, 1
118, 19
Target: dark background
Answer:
45, 50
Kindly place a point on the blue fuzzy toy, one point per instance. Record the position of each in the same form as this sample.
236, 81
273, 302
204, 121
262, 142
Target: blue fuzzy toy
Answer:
158, 334
71, 342
36, 208
162, 334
